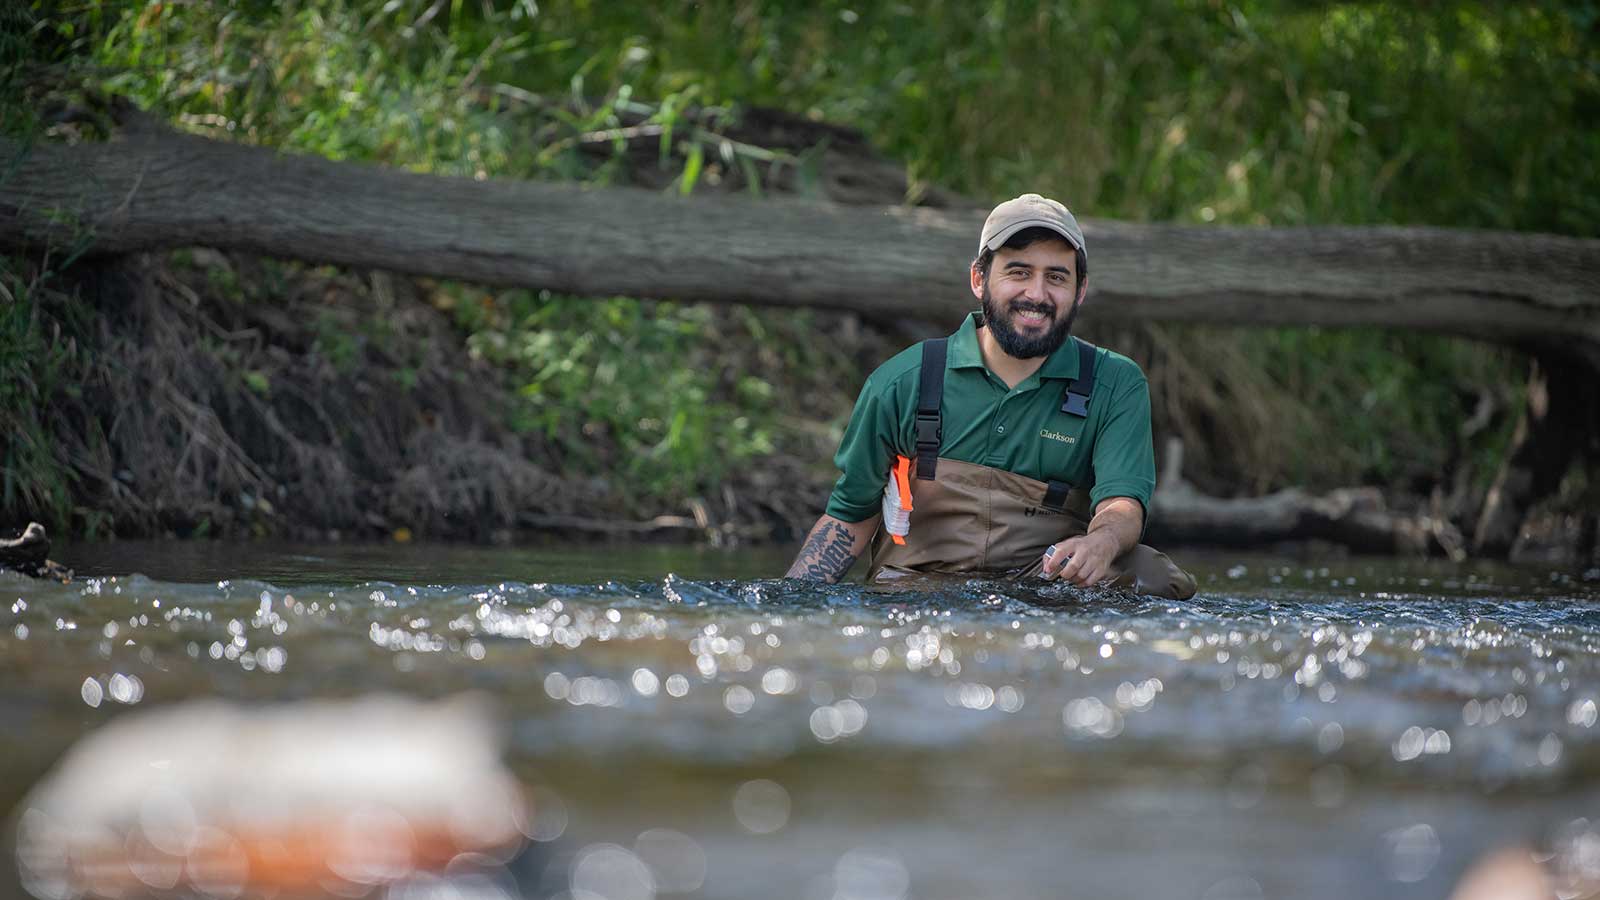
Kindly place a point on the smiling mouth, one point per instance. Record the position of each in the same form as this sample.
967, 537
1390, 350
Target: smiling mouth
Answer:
1032, 316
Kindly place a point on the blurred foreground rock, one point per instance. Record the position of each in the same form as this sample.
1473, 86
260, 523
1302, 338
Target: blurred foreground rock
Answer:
316, 798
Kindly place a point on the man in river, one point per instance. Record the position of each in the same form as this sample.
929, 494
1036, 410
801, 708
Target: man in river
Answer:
1030, 450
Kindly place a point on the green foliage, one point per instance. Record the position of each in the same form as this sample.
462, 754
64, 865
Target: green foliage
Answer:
1383, 405
1257, 111
35, 363
1247, 112
334, 341
647, 392
17, 116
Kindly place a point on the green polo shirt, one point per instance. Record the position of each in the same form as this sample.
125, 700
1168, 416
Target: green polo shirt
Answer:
1020, 429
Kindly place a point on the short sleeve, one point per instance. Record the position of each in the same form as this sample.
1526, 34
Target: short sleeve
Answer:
1124, 453
865, 452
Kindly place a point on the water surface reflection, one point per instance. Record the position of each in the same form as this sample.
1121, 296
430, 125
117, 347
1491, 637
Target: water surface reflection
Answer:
1349, 729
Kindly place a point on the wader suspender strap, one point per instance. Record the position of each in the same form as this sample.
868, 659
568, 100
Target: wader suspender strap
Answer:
1079, 389
930, 397
1076, 403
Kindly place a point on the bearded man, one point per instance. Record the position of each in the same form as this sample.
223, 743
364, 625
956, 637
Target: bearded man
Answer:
1031, 449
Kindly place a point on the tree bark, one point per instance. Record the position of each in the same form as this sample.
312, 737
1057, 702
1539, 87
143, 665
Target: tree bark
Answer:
152, 190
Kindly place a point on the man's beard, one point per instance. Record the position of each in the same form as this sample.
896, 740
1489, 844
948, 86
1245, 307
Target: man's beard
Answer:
1020, 346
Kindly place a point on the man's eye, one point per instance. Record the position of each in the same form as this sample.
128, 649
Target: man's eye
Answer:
1058, 278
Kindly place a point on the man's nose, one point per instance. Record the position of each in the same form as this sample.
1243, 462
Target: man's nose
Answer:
1035, 289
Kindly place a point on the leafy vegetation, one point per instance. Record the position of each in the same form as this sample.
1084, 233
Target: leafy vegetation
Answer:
32, 366
1246, 112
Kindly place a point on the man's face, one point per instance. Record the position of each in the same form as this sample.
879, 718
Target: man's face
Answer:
1029, 297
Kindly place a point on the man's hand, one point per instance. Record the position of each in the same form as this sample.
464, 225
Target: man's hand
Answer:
1083, 560
1086, 559
832, 548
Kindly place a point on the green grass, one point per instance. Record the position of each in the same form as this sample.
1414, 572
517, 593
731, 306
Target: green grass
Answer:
1264, 112
36, 362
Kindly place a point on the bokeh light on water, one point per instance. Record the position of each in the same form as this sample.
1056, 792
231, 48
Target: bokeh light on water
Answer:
1351, 729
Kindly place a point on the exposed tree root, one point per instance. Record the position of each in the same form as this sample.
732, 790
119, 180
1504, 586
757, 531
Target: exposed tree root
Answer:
29, 554
232, 396
206, 417
1560, 423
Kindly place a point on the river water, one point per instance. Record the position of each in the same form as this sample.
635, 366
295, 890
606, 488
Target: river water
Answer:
1341, 728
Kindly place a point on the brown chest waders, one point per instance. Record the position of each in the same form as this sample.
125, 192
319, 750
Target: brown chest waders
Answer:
974, 520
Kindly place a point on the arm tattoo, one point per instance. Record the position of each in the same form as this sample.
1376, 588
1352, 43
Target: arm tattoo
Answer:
826, 556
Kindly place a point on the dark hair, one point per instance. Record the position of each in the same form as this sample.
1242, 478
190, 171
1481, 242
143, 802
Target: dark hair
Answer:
1027, 237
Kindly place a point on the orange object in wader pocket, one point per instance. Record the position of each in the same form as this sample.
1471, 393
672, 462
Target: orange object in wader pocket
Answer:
897, 501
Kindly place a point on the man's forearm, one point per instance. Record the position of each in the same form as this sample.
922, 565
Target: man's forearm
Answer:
832, 548
1122, 518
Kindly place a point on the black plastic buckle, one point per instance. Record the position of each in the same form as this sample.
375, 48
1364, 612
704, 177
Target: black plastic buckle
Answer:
930, 431
1055, 496
1076, 404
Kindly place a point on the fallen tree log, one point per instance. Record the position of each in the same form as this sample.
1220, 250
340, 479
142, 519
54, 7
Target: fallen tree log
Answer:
1352, 517
155, 189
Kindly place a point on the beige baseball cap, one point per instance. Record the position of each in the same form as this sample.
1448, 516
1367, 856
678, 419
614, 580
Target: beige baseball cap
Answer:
1029, 211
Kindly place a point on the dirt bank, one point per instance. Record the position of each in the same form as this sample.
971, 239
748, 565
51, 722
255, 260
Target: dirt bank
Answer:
237, 396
